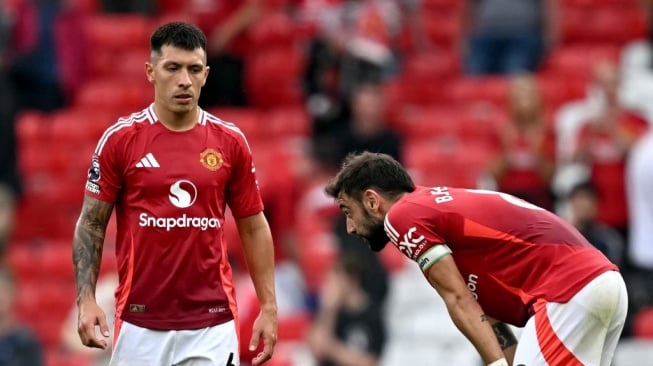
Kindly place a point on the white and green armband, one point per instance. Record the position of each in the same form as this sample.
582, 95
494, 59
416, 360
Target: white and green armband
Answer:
432, 256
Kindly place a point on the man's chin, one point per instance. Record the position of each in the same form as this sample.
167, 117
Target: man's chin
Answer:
376, 246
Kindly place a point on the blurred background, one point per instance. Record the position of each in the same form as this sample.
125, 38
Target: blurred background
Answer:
548, 100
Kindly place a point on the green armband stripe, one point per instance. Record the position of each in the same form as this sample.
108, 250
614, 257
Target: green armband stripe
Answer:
432, 256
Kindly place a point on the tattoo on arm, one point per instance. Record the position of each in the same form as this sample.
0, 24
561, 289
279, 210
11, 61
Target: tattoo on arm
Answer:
483, 318
504, 335
88, 243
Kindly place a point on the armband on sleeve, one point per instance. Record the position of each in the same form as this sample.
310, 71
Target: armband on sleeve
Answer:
432, 256
499, 362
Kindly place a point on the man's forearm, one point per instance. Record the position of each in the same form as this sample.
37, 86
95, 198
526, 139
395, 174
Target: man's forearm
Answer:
259, 255
469, 318
87, 256
87, 247
506, 338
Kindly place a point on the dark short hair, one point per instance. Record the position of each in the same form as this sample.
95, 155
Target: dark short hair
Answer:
586, 187
178, 34
361, 171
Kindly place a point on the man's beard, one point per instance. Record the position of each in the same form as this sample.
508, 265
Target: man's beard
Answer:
377, 238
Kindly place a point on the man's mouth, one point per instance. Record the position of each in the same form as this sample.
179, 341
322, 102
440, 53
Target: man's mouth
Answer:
184, 98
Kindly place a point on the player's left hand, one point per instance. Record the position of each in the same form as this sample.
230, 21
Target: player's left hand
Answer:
265, 326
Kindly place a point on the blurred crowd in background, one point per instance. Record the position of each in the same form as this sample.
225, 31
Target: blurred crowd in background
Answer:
549, 100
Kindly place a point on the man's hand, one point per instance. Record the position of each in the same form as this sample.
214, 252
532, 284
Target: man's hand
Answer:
91, 315
265, 326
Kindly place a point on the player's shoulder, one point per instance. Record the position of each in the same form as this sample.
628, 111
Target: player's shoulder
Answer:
408, 206
126, 125
228, 127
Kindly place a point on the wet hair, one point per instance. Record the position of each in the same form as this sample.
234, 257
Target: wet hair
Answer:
361, 171
177, 34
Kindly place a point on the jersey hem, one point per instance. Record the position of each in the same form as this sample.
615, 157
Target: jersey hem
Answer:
183, 324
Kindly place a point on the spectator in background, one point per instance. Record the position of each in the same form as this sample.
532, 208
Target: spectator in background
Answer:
583, 202
10, 184
525, 163
637, 69
640, 201
639, 180
49, 62
225, 23
367, 128
348, 328
18, 346
603, 144
355, 43
507, 36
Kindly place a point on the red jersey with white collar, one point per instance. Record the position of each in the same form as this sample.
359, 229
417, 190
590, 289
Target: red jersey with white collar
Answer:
170, 191
510, 252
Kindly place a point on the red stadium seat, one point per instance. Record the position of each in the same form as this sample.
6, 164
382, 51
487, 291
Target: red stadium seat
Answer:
643, 323
589, 4
577, 61
557, 90
473, 124
427, 67
78, 126
403, 93
602, 25
273, 77
446, 162
287, 122
119, 32
32, 126
489, 89
274, 29
441, 29
107, 94
450, 6
127, 65
247, 120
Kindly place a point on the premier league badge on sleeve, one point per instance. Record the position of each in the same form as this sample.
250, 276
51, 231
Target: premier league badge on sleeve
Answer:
94, 176
94, 170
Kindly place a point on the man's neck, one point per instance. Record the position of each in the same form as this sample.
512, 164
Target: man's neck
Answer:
177, 121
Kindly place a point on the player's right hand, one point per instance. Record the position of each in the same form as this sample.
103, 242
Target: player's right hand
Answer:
91, 315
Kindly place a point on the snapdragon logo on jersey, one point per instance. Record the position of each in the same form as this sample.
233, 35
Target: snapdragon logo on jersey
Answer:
183, 194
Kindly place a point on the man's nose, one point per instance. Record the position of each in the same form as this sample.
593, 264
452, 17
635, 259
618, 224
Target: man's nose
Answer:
350, 227
184, 79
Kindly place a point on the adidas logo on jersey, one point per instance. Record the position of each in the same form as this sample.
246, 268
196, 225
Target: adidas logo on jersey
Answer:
148, 161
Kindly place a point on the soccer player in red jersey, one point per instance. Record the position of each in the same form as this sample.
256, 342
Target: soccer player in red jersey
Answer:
495, 260
170, 171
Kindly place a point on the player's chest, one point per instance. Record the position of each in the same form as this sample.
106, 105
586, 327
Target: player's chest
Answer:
179, 168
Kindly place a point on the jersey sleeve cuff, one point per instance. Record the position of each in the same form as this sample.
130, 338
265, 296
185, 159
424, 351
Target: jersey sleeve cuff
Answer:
432, 256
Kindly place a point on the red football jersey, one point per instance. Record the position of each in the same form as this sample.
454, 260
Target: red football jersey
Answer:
510, 252
171, 190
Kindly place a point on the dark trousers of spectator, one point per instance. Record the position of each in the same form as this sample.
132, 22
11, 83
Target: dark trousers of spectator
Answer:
503, 54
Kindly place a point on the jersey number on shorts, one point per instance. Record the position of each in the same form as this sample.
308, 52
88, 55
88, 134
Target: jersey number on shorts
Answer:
508, 198
230, 360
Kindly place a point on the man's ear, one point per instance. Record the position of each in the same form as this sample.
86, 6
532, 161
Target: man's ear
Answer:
371, 200
149, 72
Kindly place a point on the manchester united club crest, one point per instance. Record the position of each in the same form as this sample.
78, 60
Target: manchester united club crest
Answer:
211, 159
